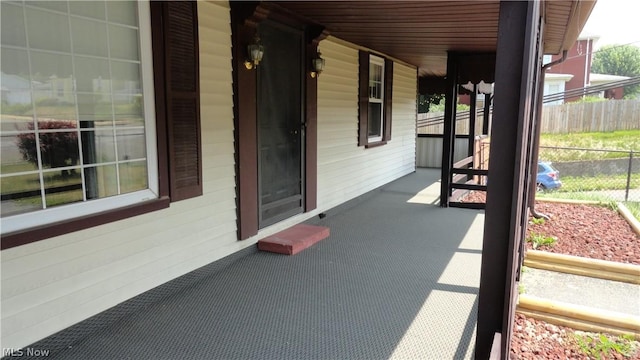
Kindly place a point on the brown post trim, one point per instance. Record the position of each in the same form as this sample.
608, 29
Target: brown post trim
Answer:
245, 118
505, 214
473, 115
311, 134
485, 115
449, 134
314, 36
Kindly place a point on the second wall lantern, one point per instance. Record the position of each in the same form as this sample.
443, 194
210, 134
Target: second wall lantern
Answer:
255, 51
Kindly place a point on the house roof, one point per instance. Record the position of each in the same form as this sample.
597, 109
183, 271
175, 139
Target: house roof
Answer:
557, 77
605, 78
421, 32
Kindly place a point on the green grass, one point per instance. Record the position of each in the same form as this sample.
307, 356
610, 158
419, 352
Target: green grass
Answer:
614, 140
602, 198
609, 182
626, 140
634, 208
538, 240
600, 346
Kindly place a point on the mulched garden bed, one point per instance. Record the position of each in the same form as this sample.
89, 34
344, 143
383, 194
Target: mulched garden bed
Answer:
591, 231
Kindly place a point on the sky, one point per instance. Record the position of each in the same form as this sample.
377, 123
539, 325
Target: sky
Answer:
615, 21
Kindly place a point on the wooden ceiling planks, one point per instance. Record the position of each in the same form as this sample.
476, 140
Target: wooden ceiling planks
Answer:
421, 32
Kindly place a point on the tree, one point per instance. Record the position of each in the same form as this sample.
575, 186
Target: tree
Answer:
623, 60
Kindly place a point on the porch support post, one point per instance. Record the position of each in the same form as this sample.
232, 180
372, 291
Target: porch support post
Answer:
535, 150
473, 115
449, 134
485, 115
505, 214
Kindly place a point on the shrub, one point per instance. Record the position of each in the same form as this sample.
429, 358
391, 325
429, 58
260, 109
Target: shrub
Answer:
57, 149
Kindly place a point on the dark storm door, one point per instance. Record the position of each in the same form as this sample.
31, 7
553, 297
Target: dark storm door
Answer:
280, 123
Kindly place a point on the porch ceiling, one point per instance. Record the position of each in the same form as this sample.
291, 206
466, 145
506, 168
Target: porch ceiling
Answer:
421, 32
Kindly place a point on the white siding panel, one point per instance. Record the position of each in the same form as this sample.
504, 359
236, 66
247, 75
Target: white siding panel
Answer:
346, 170
52, 284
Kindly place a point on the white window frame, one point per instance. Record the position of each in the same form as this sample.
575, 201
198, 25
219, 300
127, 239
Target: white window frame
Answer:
47, 216
376, 60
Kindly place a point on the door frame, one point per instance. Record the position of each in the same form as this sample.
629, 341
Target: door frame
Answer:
245, 16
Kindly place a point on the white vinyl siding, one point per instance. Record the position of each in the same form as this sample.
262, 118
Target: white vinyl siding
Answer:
345, 170
51, 284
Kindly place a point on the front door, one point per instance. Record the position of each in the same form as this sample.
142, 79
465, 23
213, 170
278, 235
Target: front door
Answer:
280, 116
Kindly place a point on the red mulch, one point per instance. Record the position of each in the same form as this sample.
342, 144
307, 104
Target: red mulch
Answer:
592, 231
534, 340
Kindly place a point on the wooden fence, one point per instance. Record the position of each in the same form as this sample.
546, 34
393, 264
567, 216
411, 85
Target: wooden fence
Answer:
591, 117
566, 118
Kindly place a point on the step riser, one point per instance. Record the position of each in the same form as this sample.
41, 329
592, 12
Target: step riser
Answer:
294, 239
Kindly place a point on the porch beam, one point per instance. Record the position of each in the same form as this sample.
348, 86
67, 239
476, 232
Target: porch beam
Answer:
505, 215
449, 134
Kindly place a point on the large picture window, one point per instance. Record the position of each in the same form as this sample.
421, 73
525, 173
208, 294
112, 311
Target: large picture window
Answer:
77, 118
375, 93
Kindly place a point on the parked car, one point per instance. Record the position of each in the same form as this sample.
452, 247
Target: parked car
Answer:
548, 177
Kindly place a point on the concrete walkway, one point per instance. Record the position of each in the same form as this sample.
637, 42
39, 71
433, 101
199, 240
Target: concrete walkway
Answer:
581, 290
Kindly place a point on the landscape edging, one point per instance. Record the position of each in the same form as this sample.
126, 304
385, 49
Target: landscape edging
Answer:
603, 269
627, 215
578, 317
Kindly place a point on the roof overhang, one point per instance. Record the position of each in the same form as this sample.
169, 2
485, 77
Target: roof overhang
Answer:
421, 33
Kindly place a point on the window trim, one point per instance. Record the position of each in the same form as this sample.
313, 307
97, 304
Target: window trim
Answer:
364, 62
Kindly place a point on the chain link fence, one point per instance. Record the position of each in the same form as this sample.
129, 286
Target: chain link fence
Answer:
594, 174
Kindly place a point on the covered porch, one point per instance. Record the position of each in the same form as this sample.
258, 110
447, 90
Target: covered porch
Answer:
379, 287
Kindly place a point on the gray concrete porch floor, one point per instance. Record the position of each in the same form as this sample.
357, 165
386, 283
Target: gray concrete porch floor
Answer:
397, 278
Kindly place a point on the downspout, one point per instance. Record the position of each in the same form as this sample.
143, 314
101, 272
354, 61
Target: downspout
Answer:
555, 62
536, 138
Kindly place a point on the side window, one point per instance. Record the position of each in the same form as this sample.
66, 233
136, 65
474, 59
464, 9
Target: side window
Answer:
375, 97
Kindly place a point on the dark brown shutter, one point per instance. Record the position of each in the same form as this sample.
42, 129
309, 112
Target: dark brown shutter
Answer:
363, 98
388, 98
183, 99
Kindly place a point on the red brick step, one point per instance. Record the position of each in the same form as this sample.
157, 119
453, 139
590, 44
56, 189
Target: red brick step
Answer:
294, 239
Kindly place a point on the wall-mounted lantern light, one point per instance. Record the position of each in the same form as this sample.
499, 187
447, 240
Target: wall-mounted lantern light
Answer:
255, 51
317, 64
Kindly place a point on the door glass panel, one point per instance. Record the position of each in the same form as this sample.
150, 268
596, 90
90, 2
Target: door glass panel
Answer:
280, 120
